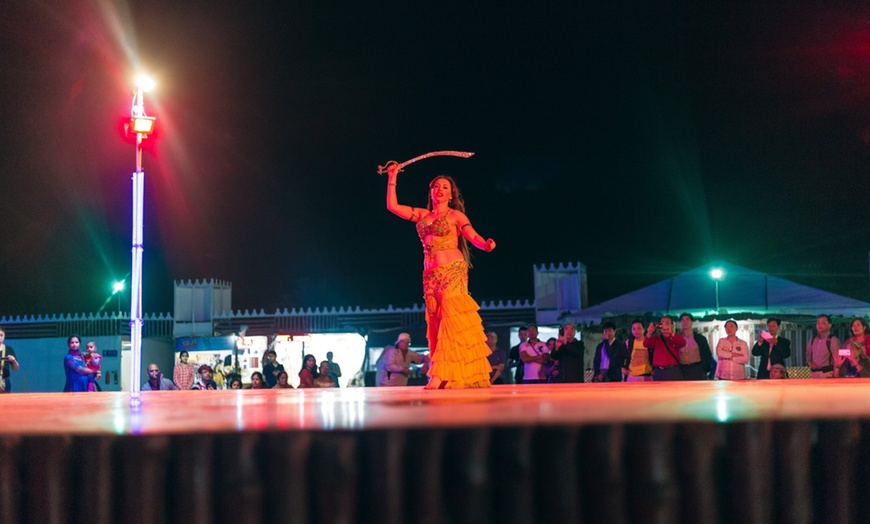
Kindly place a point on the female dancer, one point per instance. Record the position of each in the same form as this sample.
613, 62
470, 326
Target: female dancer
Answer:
457, 343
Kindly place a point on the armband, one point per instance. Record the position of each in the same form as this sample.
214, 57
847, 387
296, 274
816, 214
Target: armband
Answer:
465, 226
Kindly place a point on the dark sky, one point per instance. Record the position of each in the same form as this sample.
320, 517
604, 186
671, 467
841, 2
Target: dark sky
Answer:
640, 138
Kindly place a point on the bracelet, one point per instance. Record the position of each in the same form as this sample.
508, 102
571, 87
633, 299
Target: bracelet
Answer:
391, 184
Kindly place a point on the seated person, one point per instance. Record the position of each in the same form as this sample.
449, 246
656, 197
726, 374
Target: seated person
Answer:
324, 380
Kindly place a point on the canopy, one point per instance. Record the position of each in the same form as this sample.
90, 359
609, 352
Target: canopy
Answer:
740, 290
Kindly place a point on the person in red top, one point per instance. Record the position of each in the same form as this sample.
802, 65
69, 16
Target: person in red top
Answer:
856, 363
309, 372
93, 360
666, 349
184, 373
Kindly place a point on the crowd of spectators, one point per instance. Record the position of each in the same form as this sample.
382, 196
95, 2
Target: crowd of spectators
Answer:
660, 351
655, 352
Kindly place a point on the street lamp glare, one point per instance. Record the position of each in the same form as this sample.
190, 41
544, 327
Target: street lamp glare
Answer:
716, 274
145, 83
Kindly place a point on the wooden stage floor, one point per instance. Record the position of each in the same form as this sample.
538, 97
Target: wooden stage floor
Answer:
789, 451
173, 412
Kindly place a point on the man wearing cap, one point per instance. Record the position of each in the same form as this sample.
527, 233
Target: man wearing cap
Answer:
156, 381
205, 382
397, 362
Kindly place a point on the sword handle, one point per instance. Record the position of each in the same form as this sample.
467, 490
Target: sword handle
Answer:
383, 169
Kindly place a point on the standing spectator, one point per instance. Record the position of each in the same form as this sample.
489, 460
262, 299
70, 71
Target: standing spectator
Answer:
94, 361
856, 363
257, 381
514, 361
551, 368
334, 369
695, 356
496, 359
231, 367
665, 348
639, 363
571, 355
155, 381
308, 372
534, 355
7, 362
218, 374
397, 361
609, 358
75, 368
772, 350
324, 380
205, 382
283, 381
184, 372
271, 368
822, 349
733, 354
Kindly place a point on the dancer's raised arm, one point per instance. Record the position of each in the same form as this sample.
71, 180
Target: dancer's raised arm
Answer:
393, 206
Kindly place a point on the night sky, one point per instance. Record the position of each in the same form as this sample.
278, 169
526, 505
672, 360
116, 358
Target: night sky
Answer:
639, 138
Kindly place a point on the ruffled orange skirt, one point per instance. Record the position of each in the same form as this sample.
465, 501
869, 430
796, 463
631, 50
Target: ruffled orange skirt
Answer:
457, 342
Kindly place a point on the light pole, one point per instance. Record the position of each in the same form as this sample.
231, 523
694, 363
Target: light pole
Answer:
117, 289
716, 274
142, 125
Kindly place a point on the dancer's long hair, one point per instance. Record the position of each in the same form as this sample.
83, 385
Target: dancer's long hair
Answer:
457, 203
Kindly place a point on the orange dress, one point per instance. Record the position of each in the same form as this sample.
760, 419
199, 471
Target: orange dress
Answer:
457, 342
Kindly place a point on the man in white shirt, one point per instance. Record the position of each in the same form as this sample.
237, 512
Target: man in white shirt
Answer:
534, 355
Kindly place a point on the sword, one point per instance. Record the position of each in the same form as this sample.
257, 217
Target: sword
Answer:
462, 154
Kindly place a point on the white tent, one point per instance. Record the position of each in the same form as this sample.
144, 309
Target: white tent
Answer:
740, 291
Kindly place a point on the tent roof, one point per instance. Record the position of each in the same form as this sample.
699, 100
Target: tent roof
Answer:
741, 290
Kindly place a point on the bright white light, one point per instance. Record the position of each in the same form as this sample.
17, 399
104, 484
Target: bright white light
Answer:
145, 83
722, 414
117, 287
717, 274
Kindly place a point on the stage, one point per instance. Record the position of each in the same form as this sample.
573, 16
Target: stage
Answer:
755, 451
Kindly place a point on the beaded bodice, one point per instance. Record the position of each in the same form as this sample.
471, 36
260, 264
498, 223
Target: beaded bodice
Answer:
440, 227
438, 232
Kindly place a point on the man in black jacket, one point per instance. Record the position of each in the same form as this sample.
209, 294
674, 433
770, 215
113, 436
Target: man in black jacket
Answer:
571, 354
772, 350
609, 356
695, 356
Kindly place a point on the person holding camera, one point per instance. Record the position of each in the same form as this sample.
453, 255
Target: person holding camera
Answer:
7, 362
772, 350
665, 346
571, 355
852, 360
